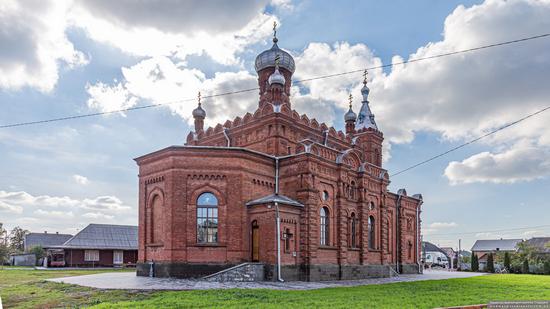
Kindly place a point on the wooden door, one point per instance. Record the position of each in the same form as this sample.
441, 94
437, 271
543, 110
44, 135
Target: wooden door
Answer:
255, 242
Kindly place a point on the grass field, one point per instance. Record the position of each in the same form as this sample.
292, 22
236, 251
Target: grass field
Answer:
26, 289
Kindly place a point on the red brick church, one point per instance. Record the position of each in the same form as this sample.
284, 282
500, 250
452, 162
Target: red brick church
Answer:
275, 187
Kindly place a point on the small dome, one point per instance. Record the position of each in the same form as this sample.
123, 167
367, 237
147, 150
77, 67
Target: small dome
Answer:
199, 112
365, 92
266, 59
276, 78
350, 115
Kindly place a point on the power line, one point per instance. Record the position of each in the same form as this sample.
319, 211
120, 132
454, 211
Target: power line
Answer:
472, 141
492, 231
20, 124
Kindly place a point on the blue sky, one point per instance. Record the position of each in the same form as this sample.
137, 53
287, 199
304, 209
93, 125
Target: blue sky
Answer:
74, 57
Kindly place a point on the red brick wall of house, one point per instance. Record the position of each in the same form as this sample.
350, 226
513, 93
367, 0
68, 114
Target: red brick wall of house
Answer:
75, 257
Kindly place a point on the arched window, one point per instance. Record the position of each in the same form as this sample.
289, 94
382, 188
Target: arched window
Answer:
353, 231
372, 235
207, 218
352, 190
324, 227
155, 220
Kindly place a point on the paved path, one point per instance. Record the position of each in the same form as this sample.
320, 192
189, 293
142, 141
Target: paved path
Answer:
129, 281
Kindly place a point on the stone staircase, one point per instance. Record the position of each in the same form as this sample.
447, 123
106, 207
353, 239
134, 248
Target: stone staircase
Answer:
245, 272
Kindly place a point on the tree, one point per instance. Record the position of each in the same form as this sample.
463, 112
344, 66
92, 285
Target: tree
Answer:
507, 261
4, 250
38, 251
17, 239
546, 267
490, 263
525, 267
475, 262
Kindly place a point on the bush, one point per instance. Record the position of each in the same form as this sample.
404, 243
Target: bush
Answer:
490, 263
546, 268
507, 261
525, 267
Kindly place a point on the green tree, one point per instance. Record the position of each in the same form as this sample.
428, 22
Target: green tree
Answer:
525, 267
38, 251
4, 250
507, 261
17, 239
490, 263
475, 262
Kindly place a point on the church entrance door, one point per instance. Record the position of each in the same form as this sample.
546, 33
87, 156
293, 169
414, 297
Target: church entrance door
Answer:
255, 241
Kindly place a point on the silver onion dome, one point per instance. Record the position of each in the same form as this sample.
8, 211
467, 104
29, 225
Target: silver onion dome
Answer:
350, 116
199, 112
266, 59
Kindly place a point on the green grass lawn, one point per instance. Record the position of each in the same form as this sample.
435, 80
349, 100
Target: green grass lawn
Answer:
26, 289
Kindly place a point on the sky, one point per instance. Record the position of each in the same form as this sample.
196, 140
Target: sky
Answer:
62, 58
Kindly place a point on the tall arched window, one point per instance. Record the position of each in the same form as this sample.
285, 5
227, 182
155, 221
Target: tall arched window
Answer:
156, 225
353, 231
324, 226
207, 218
372, 229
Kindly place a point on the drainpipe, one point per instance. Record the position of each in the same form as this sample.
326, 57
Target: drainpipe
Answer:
278, 221
418, 244
225, 133
325, 137
397, 232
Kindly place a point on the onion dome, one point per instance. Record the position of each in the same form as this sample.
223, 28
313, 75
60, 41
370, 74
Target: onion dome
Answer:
276, 77
365, 119
350, 115
266, 59
199, 112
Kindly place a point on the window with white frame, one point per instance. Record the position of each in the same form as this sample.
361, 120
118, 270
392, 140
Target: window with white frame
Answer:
91, 255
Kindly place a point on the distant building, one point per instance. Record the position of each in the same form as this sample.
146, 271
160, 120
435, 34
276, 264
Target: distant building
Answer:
97, 245
483, 247
23, 259
433, 255
44, 240
540, 244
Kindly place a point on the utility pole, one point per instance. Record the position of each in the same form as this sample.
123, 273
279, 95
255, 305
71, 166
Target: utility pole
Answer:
458, 257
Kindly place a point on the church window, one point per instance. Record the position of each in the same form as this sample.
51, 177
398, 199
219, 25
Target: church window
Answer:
325, 196
324, 227
353, 231
371, 229
207, 218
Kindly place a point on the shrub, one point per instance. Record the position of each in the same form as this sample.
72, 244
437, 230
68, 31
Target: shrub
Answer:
525, 267
507, 261
546, 267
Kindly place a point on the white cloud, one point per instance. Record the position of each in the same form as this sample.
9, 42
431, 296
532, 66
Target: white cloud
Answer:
442, 225
24, 199
159, 80
53, 214
522, 162
97, 215
81, 180
8, 208
160, 28
34, 44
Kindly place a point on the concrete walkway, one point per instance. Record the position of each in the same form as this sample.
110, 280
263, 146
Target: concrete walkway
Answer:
129, 281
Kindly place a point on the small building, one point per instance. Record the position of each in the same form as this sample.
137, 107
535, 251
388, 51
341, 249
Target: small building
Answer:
23, 259
96, 245
44, 240
483, 247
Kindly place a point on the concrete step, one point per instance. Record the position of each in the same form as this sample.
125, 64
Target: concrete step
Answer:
245, 272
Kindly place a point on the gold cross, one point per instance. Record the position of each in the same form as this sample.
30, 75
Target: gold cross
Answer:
350, 100
365, 77
274, 29
199, 97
